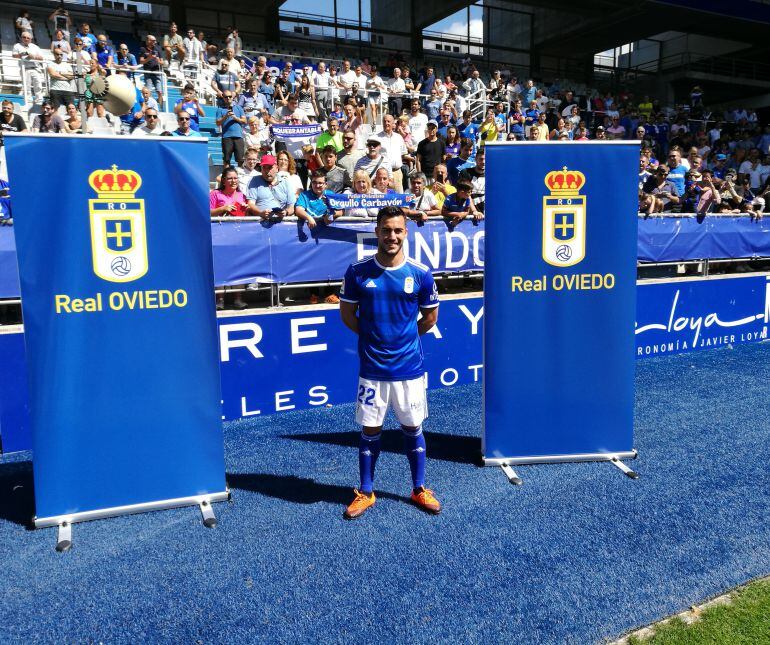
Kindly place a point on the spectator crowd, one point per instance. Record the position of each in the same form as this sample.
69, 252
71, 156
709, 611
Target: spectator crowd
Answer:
385, 131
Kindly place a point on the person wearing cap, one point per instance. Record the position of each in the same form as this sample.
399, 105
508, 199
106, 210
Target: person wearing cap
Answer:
374, 159
601, 135
269, 197
719, 169
224, 81
430, 151
149, 59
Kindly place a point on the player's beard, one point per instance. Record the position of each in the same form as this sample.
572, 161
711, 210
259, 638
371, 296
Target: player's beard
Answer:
390, 249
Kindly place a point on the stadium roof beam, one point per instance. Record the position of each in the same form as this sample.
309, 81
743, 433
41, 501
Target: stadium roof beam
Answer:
410, 17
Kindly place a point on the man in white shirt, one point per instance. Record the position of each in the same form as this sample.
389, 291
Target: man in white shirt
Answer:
60, 80
360, 78
394, 148
474, 84
396, 91
425, 204
151, 125
230, 61
322, 95
193, 49
348, 76
234, 42
30, 55
417, 122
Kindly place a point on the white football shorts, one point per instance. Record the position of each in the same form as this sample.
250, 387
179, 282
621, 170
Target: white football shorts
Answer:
407, 398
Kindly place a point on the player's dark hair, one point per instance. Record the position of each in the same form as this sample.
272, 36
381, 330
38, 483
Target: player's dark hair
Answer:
464, 185
388, 212
320, 172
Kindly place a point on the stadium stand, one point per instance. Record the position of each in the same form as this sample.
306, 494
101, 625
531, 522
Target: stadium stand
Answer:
695, 160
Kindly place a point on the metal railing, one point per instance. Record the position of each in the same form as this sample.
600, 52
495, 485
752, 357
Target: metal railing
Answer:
17, 75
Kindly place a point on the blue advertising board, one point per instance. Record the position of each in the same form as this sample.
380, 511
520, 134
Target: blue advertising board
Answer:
560, 299
289, 252
274, 362
120, 326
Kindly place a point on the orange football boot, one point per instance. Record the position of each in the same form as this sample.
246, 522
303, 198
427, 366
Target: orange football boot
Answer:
358, 506
423, 498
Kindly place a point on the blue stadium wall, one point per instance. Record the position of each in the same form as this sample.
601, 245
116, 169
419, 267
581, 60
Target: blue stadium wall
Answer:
281, 360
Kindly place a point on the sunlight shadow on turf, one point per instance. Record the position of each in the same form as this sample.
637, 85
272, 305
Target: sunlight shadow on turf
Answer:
446, 447
17, 500
298, 490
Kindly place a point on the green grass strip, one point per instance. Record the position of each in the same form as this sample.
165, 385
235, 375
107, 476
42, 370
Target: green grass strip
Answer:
746, 619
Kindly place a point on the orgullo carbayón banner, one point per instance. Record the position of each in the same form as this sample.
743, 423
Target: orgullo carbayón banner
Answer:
116, 278
559, 296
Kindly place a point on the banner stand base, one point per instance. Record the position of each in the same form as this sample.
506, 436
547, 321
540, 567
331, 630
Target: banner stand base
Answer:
628, 472
510, 473
614, 458
65, 522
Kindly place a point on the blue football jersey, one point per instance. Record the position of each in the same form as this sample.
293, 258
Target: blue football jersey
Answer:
389, 299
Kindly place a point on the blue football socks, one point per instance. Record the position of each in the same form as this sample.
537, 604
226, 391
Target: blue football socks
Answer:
368, 451
414, 445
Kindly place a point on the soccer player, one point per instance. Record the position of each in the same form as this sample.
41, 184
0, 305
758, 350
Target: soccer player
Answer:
386, 291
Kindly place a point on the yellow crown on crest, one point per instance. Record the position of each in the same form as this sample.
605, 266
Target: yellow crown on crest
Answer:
113, 183
565, 182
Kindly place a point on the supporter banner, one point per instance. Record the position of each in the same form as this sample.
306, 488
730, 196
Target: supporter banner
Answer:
246, 251
354, 200
296, 131
559, 297
121, 348
278, 361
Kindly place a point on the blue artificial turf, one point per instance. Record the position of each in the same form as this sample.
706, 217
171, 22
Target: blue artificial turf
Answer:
578, 554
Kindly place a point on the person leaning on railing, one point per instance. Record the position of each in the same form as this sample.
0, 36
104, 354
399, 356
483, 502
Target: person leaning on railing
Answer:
227, 199
312, 206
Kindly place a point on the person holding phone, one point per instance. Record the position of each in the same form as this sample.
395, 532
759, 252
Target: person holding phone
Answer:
268, 196
231, 118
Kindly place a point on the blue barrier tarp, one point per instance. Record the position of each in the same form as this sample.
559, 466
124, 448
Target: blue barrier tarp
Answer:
671, 239
288, 252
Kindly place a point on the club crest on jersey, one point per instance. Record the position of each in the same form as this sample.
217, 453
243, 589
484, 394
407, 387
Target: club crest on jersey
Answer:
118, 232
409, 285
564, 218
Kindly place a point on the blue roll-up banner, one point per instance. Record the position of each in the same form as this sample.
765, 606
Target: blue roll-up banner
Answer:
559, 301
116, 276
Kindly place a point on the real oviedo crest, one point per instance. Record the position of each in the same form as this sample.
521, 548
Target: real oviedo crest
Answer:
564, 218
118, 232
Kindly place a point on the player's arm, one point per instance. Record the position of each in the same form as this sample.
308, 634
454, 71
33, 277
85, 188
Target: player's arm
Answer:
428, 319
348, 314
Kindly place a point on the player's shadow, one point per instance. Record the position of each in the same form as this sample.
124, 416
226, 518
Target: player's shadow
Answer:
299, 490
17, 500
446, 447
